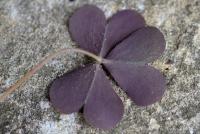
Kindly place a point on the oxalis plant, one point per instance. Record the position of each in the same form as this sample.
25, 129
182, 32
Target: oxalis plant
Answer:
122, 48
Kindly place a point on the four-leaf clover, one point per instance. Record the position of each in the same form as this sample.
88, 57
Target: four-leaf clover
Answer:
125, 45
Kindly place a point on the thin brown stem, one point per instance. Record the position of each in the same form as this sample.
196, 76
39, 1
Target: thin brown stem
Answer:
37, 67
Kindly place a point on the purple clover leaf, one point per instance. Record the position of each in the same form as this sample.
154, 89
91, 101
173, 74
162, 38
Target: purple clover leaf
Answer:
125, 45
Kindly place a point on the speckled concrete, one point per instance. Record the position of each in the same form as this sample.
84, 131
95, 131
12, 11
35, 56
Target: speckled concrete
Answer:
30, 29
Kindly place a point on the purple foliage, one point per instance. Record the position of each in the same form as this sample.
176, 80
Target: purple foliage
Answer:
126, 45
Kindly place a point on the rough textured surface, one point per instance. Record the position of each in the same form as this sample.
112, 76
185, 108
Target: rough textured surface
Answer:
29, 29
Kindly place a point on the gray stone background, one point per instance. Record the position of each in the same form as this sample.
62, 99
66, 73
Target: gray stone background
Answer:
30, 29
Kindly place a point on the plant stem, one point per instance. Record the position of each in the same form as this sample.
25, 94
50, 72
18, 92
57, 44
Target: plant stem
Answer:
37, 67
